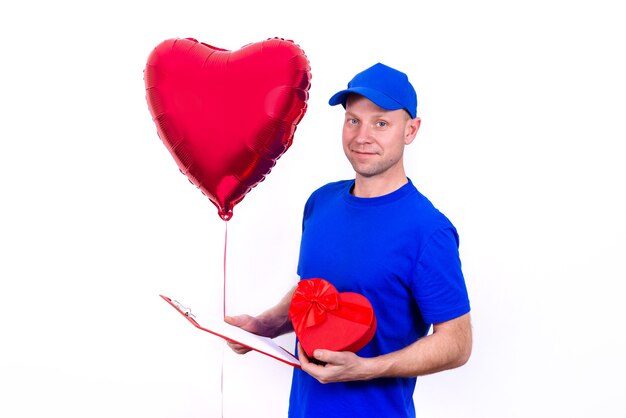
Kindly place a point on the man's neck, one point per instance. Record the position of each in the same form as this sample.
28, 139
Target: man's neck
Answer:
377, 186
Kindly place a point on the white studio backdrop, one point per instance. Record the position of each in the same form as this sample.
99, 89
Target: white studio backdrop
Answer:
521, 146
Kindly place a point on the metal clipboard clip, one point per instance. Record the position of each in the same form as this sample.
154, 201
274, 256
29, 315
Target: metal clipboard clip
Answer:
183, 309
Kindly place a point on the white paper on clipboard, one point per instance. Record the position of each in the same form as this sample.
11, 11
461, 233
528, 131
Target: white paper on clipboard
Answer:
229, 332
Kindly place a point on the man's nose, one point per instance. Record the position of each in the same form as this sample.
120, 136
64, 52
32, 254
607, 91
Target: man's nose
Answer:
364, 135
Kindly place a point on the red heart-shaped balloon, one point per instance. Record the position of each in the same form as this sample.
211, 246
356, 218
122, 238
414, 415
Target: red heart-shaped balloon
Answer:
227, 116
324, 318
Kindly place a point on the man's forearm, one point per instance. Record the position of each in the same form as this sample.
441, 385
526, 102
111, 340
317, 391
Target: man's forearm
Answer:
276, 318
448, 347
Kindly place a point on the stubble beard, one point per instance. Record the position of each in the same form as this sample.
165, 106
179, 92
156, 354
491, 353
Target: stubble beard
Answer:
372, 169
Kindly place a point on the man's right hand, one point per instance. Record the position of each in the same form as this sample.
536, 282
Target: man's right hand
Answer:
248, 323
271, 323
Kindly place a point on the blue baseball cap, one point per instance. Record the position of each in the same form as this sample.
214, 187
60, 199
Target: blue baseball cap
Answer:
383, 85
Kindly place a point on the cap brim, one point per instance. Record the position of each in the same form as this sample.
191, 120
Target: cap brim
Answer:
375, 96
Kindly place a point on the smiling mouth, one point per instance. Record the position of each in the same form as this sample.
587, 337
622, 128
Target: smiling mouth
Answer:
363, 153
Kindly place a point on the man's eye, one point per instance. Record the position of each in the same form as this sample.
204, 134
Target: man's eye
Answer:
381, 124
353, 121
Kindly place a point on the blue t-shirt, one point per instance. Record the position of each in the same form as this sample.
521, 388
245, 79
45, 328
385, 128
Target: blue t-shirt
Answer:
399, 252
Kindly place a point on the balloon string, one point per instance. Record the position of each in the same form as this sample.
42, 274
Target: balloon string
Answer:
224, 307
225, 245
222, 382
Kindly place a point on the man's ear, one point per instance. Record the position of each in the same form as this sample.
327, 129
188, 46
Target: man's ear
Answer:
412, 126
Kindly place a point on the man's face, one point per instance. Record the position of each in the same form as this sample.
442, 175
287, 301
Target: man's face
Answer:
374, 138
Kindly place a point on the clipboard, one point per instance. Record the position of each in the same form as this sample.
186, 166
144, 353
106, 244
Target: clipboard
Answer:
263, 345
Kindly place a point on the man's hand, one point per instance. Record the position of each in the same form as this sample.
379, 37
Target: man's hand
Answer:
339, 366
271, 323
248, 323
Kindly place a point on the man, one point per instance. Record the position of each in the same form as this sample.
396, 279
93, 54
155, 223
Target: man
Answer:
377, 235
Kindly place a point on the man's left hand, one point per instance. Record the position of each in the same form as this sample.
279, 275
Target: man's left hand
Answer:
338, 366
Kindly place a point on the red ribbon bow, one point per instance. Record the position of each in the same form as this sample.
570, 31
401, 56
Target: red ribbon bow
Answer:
310, 302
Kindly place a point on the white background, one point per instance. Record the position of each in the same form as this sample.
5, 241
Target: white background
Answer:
521, 145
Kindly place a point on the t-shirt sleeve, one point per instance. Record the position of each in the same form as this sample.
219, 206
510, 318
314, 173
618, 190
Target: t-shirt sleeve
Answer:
439, 286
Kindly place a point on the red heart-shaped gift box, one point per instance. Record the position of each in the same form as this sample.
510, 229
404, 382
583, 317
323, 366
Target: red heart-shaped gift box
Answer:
324, 318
